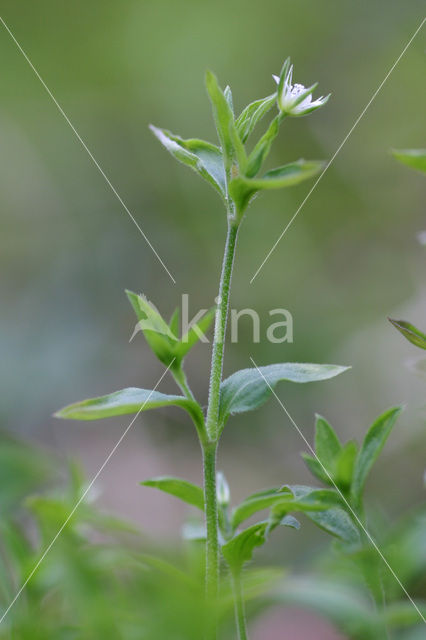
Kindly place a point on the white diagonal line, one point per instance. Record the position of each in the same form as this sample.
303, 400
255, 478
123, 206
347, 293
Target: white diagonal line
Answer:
82, 497
86, 148
354, 514
339, 148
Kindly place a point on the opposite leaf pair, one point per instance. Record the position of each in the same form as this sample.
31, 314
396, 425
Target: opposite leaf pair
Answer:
230, 168
321, 506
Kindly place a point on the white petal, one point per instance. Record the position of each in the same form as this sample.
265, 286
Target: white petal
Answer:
276, 78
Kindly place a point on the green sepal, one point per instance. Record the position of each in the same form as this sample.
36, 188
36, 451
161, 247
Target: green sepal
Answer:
410, 332
182, 489
203, 157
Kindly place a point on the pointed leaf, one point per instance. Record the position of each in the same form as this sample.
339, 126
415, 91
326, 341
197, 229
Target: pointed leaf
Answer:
156, 330
258, 502
290, 521
203, 157
230, 143
174, 323
345, 463
262, 148
242, 189
251, 115
185, 491
327, 445
239, 549
248, 389
415, 158
127, 401
316, 468
228, 97
409, 331
192, 336
335, 519
373, 444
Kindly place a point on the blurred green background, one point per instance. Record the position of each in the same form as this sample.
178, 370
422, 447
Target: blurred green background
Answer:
68, 249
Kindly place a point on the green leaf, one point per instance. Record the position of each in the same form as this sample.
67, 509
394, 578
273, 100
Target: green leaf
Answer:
251, 115
257, 502
262, 148
204, 158
415, 158
156, 330
185, 491
192, 336
162, 337
316, 468
248, 389
242, 189
228, 97
327, 445
333, 519
409, 331
348, 608
124, 402
402, 614
174, 323
239, 549
290, 521
373, 443
231, 144
345, 463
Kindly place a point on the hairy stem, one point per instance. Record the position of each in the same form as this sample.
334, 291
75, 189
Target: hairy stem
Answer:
210, 502
240, 615
219, 332
210, 446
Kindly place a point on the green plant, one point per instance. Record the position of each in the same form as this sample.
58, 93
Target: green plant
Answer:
415, 159
232, 170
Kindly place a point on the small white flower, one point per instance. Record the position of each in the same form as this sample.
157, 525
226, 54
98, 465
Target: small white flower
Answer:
295, 99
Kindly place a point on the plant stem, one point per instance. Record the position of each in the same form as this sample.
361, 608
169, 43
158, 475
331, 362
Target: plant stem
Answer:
210, 445
180, 377
240, 615
210, 500
219, 332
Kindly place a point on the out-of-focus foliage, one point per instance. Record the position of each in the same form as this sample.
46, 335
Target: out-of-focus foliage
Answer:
101, 578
